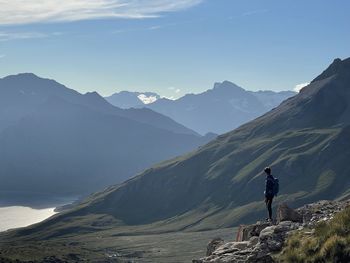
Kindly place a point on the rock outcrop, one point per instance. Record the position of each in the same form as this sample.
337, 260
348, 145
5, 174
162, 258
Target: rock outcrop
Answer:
323, 210
284, 213
245, 232
258, 242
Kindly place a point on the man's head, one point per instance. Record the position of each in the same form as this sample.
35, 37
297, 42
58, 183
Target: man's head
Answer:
267, 170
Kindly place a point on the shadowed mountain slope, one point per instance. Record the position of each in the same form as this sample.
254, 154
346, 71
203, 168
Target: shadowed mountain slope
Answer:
55, 140
21, 94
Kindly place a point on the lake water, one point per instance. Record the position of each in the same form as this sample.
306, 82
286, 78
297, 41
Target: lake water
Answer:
20, 216
20, 209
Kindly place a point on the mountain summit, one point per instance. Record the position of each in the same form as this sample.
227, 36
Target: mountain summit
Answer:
220, 109
337, 67
216, 110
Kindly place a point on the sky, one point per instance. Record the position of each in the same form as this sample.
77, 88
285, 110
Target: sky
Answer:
173, 47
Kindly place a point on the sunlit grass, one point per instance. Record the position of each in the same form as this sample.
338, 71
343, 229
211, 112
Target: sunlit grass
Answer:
329, 243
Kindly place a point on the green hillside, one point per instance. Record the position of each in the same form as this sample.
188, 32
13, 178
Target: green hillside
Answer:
306, 140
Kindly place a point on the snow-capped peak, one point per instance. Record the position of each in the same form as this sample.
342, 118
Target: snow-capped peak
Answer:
147, 99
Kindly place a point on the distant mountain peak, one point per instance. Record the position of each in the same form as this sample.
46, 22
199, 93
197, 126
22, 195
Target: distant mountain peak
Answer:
203, 112
92, 94
25, 75
337, 67
226, 85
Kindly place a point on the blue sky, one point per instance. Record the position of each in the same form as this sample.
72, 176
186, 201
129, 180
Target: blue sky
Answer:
173, 47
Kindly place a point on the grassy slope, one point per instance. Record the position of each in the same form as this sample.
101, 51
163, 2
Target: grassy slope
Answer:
226, 206
329, 243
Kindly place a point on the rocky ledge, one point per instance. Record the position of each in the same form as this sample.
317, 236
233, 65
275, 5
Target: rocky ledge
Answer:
259, 242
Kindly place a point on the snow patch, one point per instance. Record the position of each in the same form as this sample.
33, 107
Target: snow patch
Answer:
147, 99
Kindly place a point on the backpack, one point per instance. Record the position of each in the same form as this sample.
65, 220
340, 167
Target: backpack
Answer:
276, 186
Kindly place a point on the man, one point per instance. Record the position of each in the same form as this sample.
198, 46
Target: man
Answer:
269, 191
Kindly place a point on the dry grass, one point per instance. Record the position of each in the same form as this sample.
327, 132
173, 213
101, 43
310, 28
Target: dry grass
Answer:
329, 243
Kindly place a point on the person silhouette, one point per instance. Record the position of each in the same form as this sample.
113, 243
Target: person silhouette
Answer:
269, 192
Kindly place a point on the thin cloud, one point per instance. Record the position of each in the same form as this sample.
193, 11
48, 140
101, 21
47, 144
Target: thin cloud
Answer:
173, 93
298, 87
249, 13
255, 12
156, 27
35, 11
2, 56
169, 98
7, 36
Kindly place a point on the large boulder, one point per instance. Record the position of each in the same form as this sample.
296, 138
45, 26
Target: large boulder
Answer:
273, 237
285, 213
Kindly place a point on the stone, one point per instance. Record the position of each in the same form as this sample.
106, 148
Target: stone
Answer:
285, 213
241, 245
253, 241
231, 247
213, 245
273, 237
245, 232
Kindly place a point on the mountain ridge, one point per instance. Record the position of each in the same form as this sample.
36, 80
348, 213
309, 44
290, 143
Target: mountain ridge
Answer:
82, 138
203, 112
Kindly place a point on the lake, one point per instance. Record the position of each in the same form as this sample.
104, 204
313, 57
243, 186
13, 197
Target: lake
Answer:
20, 209
21, 216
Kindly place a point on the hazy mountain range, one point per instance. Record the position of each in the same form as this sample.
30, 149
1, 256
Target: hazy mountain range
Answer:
217, 110
56, 140
306, 140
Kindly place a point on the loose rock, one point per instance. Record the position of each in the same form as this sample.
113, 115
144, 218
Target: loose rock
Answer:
255, 243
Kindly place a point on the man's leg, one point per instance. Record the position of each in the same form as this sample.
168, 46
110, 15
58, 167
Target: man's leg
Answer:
268, 201
269, 207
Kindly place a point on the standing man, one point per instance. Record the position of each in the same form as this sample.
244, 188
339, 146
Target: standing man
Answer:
270, 191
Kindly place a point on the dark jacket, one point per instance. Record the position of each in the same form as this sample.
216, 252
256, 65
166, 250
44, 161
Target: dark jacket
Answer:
269, 186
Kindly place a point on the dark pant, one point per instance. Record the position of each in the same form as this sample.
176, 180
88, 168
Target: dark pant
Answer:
268, 201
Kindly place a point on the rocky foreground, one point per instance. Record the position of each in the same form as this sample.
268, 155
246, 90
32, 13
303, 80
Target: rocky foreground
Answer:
261, 242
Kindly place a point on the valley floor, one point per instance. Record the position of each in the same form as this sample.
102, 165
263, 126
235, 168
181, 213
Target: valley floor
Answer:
106, 246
